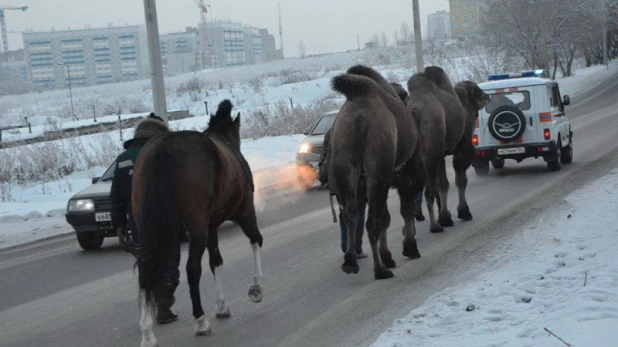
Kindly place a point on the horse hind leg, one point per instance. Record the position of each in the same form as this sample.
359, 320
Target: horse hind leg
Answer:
197, 246
146, 322
216, 267
444, 218
248, 224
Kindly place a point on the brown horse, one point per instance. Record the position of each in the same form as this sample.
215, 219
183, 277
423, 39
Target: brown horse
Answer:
441, 119
373, 143
192, 181
473, 99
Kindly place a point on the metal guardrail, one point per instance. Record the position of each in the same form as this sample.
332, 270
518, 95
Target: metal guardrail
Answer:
86, 130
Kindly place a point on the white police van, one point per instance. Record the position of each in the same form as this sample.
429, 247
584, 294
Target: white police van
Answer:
525, 119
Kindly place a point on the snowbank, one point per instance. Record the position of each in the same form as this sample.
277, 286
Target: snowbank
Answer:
566, 281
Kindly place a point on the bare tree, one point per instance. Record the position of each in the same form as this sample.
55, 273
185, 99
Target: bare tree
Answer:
396, 38
383, 40
544, 33
406, 33
302, 49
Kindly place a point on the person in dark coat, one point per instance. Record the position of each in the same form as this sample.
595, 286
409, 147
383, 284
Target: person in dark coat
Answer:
122, 214
360, 229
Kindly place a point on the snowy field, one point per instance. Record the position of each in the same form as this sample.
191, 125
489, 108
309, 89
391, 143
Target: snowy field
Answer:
563, 277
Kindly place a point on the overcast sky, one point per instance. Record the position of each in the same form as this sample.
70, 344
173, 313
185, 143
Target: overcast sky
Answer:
323, 25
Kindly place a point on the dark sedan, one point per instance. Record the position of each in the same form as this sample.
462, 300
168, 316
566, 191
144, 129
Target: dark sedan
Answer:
310, 149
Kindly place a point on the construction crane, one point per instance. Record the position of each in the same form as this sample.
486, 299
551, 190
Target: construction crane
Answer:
203, 7
5, 38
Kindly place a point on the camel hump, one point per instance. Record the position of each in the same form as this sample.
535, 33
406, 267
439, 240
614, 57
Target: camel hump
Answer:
353, 86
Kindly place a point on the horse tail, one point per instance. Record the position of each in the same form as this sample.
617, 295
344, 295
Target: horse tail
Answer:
159, 221
353, 86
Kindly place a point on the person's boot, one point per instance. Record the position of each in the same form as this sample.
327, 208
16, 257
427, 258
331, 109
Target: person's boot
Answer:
419, 213
165, 300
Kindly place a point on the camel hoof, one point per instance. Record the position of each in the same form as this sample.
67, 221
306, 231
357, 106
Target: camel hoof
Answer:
436, 229
446, 221
224, 313
389, 262
350, 269
382, 274
256, 293
410, 250
464, 214
202, 326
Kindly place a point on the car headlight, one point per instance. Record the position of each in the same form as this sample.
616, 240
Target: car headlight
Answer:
82, 205
304, 148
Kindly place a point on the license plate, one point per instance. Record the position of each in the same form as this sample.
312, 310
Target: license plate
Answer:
102, 217
516, 150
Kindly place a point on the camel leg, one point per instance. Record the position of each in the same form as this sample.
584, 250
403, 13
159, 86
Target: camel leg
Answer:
350, 215
431, 173
445, 219
378, 219
461, 165
385, 254
407, 201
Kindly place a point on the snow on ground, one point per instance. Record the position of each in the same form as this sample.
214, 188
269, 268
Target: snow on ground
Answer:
565, 279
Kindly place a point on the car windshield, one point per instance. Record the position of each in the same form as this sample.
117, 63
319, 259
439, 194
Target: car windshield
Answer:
324, 124
109, 173
520, 100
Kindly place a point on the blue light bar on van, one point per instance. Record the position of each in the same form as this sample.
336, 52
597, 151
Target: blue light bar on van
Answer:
506, 76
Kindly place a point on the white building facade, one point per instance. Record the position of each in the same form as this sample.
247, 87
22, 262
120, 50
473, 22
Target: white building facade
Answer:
439, 25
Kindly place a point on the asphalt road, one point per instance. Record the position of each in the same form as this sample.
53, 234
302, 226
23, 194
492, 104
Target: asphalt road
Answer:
54, 294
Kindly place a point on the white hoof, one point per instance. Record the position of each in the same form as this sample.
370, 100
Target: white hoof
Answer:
256, 293
202, 326
148, 342
223, 312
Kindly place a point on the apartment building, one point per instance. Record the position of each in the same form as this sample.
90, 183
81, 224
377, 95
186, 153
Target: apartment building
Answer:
465, 17
438, 25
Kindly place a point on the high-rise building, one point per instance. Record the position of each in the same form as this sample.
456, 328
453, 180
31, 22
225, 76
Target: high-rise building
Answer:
465, 17
439, 25
93, 56
233, 44
180, 52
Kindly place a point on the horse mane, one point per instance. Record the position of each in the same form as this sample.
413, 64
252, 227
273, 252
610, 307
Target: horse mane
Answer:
223, 117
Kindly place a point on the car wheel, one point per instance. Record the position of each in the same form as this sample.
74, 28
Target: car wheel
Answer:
567, 153
555, 165
89, 241
482, 169
497, 163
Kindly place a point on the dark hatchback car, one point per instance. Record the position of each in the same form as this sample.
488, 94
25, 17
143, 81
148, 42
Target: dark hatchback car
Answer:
310, 149
88, 211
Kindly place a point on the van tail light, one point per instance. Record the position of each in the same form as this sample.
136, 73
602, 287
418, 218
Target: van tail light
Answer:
475, 140
547, 134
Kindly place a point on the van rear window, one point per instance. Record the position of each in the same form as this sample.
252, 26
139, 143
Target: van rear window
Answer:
520, 99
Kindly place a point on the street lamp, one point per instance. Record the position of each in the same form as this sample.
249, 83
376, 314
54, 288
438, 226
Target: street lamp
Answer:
358, 37
70, 91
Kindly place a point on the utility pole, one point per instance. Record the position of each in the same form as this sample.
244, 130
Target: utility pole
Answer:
604, 28
418, 38
358, 38
281, 32
154, 55
70, 90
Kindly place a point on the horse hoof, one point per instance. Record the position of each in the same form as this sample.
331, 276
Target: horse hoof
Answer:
410, 250
382, 274
224, 313
464, 215
256, 293
149, 343
446, 222
436, 229
350, 268
202, 326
